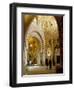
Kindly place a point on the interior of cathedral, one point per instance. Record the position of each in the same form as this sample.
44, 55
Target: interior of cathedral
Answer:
42, 44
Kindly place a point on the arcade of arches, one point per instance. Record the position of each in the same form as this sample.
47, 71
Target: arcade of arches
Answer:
43, 44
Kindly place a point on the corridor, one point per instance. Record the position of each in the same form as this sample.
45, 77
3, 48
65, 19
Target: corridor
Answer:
42, 44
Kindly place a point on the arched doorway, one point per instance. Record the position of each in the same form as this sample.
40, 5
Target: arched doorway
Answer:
33, 52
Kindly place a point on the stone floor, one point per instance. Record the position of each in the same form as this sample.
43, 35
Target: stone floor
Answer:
30, 70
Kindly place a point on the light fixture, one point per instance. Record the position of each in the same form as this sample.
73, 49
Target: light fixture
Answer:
31, 45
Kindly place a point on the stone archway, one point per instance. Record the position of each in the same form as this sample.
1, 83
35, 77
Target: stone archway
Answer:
46, 30
50, 28
33, 51
34, 31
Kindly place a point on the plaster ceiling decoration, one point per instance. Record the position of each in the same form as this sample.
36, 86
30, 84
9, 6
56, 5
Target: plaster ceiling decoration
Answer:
49, 25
